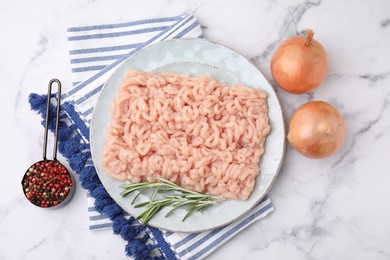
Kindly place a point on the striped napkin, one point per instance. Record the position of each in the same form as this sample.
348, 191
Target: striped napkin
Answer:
95, 52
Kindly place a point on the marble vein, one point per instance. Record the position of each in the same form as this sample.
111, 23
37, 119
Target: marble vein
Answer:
385, 23
41, 49
373, 78
290, 25
36, 246
363, 130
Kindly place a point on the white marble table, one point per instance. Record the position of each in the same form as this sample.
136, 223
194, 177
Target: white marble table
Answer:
335, 208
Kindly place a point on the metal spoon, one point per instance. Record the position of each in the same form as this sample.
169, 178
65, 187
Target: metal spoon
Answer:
47, 183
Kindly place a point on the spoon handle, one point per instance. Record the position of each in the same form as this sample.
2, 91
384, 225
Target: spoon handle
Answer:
48, 115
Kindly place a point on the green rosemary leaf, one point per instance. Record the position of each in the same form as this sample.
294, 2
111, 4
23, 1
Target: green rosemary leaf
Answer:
182, 203
133, 185
190, 211
165, 189
172, 210
198, 196
140, 205
202, 208
130, 188
153, 196
136, 197
148, 215
167, 182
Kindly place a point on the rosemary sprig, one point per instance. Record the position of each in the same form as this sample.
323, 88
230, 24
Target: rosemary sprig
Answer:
192, 201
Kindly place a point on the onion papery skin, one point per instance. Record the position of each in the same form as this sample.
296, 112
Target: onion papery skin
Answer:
300, 64
317, 130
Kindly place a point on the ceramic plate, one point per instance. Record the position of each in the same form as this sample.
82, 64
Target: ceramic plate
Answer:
194, 57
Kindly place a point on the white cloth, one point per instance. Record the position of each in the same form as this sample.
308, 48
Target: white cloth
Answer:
95, 52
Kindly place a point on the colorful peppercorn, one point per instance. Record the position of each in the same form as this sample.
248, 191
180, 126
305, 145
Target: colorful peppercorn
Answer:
47, 183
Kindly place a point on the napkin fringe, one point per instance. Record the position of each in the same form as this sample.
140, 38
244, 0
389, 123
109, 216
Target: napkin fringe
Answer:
71, 147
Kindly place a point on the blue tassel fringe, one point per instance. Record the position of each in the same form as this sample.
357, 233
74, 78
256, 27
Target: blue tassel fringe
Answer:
70, 146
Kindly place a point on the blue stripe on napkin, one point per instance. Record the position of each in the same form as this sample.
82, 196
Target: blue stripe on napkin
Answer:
121, 25
117, 34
